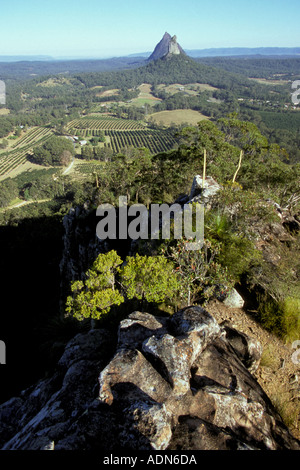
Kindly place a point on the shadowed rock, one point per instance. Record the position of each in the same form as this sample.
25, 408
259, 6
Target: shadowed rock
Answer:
182, 382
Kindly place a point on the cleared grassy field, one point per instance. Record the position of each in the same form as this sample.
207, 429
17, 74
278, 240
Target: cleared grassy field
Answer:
145, 96
189, 89
108, 93
265, 81
177, 117
24, 165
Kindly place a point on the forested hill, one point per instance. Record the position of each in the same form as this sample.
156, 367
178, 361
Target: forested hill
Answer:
176, 69
28, 69
256, 67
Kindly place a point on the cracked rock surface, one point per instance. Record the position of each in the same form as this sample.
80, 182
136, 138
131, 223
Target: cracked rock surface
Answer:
182, 382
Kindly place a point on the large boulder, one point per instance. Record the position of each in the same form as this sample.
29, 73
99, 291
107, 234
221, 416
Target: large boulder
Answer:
182, 382
234, 299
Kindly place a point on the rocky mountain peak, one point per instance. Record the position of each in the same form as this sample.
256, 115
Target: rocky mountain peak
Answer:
167, 47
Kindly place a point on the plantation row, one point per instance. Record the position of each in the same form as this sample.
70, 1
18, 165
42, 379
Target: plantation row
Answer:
90, 132
13, 159
88, 168
155, 141
34, 135
104, 123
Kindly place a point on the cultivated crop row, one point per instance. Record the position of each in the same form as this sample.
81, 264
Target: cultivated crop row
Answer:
13, 159
34, 135
155, 141
104, 123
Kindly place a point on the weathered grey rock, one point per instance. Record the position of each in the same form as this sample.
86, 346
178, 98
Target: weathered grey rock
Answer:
203, 194
164, 383
167, 47
247, 349
43, 414
137, 327
234, 299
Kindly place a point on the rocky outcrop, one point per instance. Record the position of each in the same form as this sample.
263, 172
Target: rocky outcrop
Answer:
234, 299
203, 192
173, 47
167, 47
182, 382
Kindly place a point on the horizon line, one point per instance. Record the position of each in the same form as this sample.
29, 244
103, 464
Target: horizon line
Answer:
45, 56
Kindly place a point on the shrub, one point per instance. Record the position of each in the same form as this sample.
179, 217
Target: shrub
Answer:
95, 296
291, 318
237, 252
281, 317
150, 278
199, 272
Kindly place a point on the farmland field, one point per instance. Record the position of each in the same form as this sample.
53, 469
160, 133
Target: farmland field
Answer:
94, 122
122, 133
107, 93
145, 96
15, 159
265, 81
177, 116
189, 89
82, 168
155, 141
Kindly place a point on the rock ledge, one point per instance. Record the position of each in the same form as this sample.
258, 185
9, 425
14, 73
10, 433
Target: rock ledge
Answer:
173, 383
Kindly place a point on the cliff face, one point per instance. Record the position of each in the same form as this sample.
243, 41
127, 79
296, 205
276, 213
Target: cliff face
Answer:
164, 383
166, 47
81, 247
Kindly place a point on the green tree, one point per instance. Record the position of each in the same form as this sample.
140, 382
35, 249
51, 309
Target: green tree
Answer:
51, 152
8, 191
87, 152
150, 278
200, 273
4, 144
94, 296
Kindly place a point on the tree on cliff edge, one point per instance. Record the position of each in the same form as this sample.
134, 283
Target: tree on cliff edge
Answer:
106, 284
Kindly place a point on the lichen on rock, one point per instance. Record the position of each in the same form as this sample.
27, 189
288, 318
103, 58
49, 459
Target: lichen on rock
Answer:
179, 382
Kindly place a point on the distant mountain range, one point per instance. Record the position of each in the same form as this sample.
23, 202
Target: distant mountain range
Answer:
244, 51
19, 58
22, 66
212, 52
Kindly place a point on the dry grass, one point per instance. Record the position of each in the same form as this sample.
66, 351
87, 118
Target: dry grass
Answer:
265, 81
276, 370
108, 93
177, 117
190, 88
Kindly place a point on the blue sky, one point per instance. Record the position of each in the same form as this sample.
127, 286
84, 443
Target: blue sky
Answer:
103, 28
